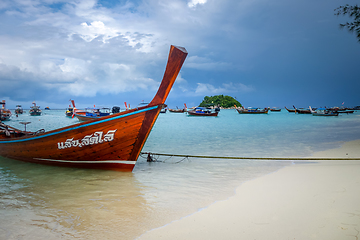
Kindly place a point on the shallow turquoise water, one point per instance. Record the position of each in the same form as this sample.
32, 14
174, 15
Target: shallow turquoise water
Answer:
45, 202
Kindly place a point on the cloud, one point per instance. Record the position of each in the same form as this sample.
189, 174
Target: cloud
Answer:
88, 48
194, 3
96, 29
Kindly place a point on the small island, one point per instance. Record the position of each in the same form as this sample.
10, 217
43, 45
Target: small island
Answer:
220, 101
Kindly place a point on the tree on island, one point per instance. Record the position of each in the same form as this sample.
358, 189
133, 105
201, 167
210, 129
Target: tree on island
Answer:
220, 100
353, 12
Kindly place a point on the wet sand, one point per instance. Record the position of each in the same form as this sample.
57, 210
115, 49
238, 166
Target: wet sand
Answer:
307, 200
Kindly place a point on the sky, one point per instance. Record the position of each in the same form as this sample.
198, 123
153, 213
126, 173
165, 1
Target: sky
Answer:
264, 53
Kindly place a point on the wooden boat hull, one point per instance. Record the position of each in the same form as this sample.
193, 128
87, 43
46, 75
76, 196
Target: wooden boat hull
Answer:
84, 118
346, 111
112, 142
177, 110
303, 111
290, 110
194, 113
4, 118
5, 114
35, 113
109, 143
252, 112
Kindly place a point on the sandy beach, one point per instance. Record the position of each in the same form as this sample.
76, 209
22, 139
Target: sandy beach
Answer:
307, 200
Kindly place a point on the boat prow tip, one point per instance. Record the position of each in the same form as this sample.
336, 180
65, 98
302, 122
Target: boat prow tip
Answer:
180, 48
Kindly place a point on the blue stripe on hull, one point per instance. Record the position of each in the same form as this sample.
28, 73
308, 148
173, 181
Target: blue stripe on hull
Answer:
77, 127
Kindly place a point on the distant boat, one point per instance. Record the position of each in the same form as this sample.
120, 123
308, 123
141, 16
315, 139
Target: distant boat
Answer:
163, 109
178, 110
341, 110
35, 110
290, 110
115, 109
202, 111
323, 112
19, 109
70, 110
302, 110
252, 110
275, 109
113, 142
345, 111
5, 114
47, 108
92, 113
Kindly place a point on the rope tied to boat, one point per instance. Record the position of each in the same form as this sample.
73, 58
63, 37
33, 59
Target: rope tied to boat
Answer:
152, 155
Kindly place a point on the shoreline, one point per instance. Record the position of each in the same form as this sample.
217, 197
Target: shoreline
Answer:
307, 200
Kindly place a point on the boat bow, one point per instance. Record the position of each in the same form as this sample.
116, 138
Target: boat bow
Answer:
112, 142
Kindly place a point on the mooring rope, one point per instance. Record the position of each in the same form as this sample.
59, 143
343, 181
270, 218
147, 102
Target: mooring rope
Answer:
247, 158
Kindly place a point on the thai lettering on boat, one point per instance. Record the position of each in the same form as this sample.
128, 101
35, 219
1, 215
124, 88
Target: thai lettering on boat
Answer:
95, 138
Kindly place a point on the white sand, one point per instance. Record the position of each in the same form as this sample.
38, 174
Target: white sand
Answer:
304, 201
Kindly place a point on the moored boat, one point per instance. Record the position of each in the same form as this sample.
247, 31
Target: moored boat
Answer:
5, 114
323, 112
275, 109
302, 110
178, 110
92, 113
19, 109
341, 110
35, 110
47, 108
202, 111
252, 110
345, 111
290, 110
115, 109
70, 110
113, 142
163, 109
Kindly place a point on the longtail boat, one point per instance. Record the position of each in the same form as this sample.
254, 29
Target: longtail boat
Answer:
35, 110
112, 142
323, 112
202, 111
19, 109
178, 110
5, 114
275, 109
69, 112
92, 113
302, 110
252, 110
290, 110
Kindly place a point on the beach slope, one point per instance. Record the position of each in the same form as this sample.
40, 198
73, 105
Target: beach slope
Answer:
308, 200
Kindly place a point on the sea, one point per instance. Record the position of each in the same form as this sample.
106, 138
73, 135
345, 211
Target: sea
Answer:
45, 202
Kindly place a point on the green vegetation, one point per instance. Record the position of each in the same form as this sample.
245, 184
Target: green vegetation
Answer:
352, 12
219, 100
